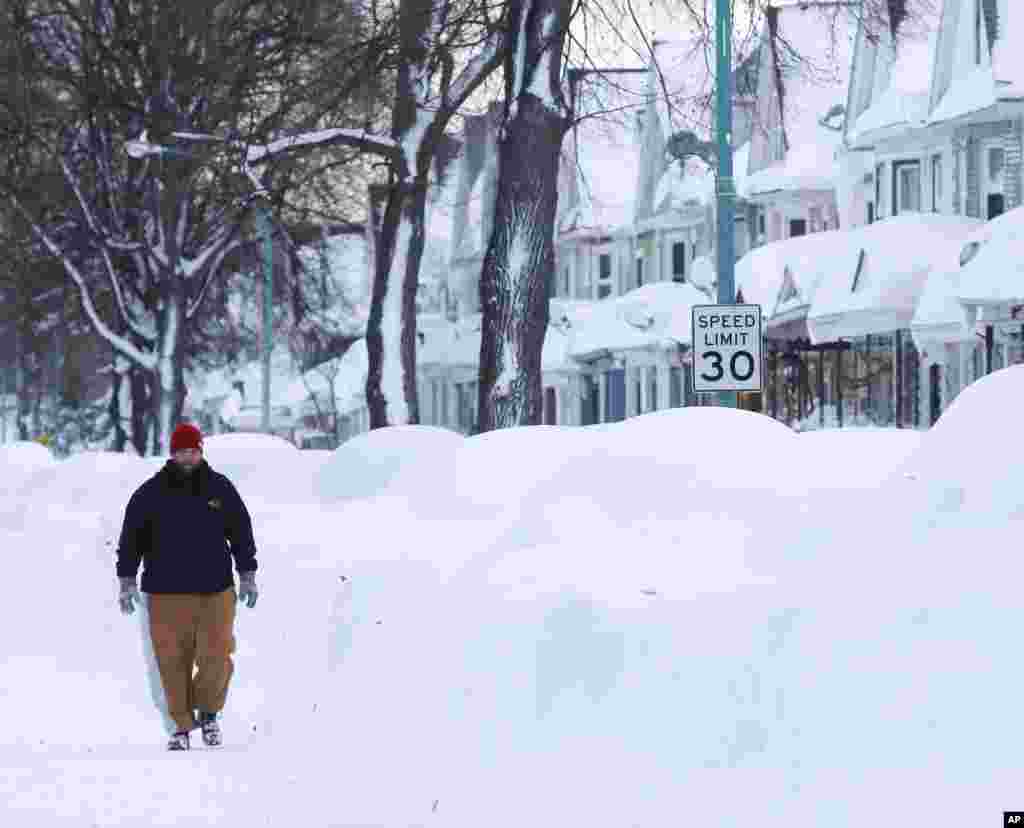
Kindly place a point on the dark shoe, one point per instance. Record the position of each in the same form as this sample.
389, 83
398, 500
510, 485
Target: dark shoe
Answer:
211, 729
179, 741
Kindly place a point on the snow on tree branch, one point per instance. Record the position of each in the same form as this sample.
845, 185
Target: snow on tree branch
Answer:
360, 139
141, 358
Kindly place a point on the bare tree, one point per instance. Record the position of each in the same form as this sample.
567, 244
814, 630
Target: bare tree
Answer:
153, 233
434, 35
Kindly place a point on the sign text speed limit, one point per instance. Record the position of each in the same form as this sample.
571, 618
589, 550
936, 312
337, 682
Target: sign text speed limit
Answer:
727, 348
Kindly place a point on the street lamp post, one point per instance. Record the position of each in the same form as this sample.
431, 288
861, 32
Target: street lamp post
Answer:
726, 195
141, 148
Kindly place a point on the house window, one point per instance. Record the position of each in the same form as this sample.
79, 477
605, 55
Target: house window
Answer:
584, 278
906, 187
936, 182
679, 262
550, 407
996, 205
604, 275
639, 271
879, 191
797, 227
995, 199
652, 389
675, 387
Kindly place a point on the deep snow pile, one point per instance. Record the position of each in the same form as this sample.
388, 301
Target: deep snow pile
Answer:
692, 617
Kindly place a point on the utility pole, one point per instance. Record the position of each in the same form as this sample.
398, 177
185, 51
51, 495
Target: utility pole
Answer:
726, 195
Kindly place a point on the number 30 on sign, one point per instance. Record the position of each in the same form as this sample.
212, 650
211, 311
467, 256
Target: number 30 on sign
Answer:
727, 348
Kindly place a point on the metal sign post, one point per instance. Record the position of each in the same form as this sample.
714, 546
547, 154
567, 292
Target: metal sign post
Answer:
726, 197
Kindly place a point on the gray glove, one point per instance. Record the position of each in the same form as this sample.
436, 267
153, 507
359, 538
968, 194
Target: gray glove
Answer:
129, 596
247, 590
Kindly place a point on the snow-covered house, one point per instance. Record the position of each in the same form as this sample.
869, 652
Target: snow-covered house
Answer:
636, 351
805, 55
595, 252
675, 201
935, 125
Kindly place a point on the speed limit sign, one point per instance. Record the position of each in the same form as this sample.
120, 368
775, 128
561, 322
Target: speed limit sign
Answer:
727, 348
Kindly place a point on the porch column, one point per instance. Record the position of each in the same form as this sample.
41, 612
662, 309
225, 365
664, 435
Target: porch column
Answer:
839, 386
898, 356
867, 374
821, 388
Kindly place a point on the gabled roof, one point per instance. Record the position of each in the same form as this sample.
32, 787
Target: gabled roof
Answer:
892, 73
967, 80
657, 314
783, 276
601, 159
806, 55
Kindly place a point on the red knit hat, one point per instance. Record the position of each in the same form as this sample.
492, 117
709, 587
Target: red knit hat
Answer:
186, 436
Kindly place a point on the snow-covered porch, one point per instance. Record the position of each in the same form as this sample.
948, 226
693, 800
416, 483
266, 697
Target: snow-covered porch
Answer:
870, 304
970, 320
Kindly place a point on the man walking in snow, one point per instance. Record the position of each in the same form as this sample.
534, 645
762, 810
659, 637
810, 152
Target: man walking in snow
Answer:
185, 524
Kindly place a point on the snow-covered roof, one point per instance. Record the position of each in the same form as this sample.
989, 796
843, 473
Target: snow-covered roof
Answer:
891, 263
784, 276
682, 85
814, 45
973, 92
657, 314
974, 86
907, 62
1007, 53
995, 273
604, 151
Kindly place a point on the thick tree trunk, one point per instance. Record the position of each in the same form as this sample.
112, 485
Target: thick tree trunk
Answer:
383, 327
168, 379
415, 239
141, 409
519, 265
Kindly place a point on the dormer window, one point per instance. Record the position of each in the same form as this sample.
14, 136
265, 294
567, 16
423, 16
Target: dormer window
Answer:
858, 272
986, 27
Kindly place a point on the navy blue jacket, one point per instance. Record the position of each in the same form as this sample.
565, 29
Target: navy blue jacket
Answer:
185, 529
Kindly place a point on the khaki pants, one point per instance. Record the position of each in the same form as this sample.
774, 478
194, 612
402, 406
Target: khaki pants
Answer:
193, 631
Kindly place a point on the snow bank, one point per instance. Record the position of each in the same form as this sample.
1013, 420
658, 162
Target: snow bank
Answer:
962, 468
20, 460
89, 489
619, 624
370, 463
